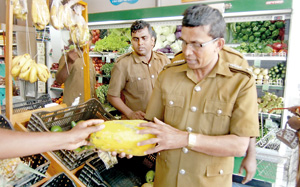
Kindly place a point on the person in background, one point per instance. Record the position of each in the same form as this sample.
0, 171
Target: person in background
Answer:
134, 73
70, 72
15, 143
230, 55
204, 109
294, 123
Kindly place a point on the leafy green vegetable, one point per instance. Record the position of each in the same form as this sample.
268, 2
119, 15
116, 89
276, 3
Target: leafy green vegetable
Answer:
106, 68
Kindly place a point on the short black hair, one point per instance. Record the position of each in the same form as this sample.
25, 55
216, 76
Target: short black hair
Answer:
140, 24
202, 15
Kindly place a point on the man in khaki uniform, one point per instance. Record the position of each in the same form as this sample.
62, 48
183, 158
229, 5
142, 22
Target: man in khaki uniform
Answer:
207, 105
134, 73
73, 79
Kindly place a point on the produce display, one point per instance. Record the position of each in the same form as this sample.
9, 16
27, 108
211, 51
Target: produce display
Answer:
26, 68
167, 38
260, 74
121, 136
116, 40
54, 66
57, 14
55, 84
257, 36
40, 14
95, 35
269, 101
278, 72
98, 63
106, 68
149, 179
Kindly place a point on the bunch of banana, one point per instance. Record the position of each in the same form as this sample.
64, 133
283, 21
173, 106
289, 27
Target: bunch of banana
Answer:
57, 16
79, 34
26, 68
20, 11
40, 14
68, 18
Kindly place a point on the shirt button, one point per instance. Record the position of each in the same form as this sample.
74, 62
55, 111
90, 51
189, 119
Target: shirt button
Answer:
193, 109
185, 150
171, 102
219, 111
139, 78
189, 129
182, 171
149, 65
82, 68
79, 93
197, 88
221, 172
152, 76
158, 154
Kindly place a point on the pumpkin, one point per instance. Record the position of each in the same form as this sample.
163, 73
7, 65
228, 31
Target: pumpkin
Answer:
120, 136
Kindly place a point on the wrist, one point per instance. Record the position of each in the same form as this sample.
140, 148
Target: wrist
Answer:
192, 140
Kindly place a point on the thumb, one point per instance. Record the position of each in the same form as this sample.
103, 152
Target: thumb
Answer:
158, 121
241, 170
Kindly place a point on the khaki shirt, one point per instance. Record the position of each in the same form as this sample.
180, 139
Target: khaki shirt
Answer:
135, 78
222, 103
74, 85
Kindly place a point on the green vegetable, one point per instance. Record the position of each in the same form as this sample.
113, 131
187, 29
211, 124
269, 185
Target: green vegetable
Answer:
255, 29
267, 49
263, 37
267, 23
259, 46
254, 23
245, 37
251, 38
56, 128
243, 25
73, 124
256, 34
279, 24
243, 44
238, 29
150, 176
248, 31
106, 68
275, 33
247, 24
262, 29
268, 33
244, 31
272, 27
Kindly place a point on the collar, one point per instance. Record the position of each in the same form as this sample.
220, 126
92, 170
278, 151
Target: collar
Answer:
221, 68
139, 59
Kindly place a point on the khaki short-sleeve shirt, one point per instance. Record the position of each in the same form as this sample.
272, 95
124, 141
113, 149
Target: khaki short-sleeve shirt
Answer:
74, 84
225, 102
135, 78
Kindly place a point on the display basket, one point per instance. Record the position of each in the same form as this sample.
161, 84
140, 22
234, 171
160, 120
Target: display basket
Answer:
60, 179
94, 173
43, 121
39, 163
4, 123
31, 104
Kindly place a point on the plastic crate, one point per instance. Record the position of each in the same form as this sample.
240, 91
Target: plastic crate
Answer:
5, 123
43, 121
31, 104
38, 162
60, 179
128, 172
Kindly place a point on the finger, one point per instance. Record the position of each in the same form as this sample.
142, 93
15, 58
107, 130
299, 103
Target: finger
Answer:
245, 180
157, 121
95, 128
114, 153
149, 124
241, 170
122, 155
153, 150
146, 142
129, 156
91, 122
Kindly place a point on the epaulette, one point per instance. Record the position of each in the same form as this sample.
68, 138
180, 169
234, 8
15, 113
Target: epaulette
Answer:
174, 64
179, 57
240, 69
232, 51
123, 56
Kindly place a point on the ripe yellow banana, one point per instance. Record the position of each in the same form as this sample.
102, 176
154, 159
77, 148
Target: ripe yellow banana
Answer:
42, 72
40, 13
57, 17
33, 73
16, 69
25, 73
16, 59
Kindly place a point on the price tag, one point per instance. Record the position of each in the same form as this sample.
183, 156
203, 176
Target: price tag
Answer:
257, 63
265, 87
108, 159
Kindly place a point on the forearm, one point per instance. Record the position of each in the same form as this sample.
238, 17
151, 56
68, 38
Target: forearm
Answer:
32, 143
251, 151
226, 145
119, 104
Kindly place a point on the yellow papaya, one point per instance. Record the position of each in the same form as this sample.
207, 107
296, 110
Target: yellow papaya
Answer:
120, 136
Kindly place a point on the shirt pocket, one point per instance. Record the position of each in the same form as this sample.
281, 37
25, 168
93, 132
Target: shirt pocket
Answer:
220, 115
138, 83
219, 169
174, 108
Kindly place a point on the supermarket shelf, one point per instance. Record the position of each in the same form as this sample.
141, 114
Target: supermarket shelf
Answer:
271, 87
14, 44
271, 115
57, 89
53, 71
116, 55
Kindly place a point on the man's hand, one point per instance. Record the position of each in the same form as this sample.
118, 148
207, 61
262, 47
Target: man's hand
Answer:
136, 115
167, 137
249, 165
72, 56
78, 135
294, 122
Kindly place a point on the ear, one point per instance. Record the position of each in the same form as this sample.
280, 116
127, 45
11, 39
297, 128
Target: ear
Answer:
153, 41
220, 44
